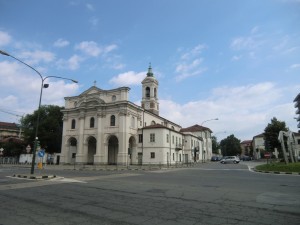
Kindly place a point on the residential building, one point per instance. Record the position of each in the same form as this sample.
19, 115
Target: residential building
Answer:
9, 130
246, 147
104, 127
258, 145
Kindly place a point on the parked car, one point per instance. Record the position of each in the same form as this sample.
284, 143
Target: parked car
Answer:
215, 158
230, 159
245, 158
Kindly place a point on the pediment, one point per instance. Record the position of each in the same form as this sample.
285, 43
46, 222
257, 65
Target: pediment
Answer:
91, 91
89, 101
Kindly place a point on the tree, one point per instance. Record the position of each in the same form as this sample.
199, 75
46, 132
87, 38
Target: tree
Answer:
271, 134
215, 145
50, 127
231, 146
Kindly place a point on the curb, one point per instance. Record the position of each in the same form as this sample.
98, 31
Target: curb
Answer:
276, 172
34, 177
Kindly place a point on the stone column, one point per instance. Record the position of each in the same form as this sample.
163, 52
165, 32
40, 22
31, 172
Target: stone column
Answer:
80, 144
123, 137
99, 157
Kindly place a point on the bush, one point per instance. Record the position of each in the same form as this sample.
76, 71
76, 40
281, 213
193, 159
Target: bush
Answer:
280, 167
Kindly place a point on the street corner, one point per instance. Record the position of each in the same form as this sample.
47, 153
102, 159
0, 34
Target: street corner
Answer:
275, 172
34, 177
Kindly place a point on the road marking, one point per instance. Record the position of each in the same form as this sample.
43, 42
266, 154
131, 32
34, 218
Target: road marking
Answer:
59, 180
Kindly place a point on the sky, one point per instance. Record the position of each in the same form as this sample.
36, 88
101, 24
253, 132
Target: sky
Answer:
238, 61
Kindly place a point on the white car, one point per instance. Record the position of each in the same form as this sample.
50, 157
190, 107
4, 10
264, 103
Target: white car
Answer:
230, 159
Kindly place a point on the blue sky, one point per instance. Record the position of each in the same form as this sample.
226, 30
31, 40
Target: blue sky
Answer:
235, 60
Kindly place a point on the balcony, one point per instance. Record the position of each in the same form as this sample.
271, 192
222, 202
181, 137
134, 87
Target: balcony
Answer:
178, 147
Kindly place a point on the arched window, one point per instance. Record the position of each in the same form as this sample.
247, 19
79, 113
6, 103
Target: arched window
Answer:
112, 120
73, 125
147, 92
113, 98
92, 122
153, 122
155, 93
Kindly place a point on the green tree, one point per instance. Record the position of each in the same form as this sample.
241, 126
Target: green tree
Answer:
271, 134
215, 145
231, 146
12, 149
50, 127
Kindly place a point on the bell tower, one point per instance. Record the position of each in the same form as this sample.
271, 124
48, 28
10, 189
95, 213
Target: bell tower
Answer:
150, 90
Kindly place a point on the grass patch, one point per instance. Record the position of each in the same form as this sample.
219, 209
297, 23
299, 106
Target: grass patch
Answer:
280, 167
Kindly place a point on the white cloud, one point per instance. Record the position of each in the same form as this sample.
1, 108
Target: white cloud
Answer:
243, 43
94, 21
20, 89
5, 38
90, 48
194, 52
73, 63
110, 48
61, 43
128, 78
295, 66
90, 7
37, 56
190, 63
236, 57
242, 110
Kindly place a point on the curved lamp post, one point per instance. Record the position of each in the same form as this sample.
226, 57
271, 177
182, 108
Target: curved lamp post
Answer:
41, 93
209, 120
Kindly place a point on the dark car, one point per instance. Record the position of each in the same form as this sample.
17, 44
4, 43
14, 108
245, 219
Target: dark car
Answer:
246, 158
215, 158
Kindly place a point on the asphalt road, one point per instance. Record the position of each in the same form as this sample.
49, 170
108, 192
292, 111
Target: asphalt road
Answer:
209, 193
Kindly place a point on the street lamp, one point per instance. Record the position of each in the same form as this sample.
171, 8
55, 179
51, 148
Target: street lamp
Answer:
203, 152
209, 120
41, 93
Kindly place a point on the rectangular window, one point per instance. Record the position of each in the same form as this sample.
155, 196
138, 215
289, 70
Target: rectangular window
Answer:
173, 156
152, 155
140, 138
167, 138
192, 143
173, 139
176, 140
152, 137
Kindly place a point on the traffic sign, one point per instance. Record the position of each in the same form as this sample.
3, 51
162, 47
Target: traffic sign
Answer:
41, 153
267, 155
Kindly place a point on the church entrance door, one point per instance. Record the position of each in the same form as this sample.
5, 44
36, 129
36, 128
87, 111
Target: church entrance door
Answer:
113, 148
92, 144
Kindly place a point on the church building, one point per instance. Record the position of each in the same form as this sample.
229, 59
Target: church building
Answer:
104, 127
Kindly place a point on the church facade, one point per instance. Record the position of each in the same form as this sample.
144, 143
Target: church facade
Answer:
104, 127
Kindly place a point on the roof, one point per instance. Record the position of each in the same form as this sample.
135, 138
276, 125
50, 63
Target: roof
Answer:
246, 142
195, 128
159, 126
259, 135
155, 126
6, 125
